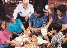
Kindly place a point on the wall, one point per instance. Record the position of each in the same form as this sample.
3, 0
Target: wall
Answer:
57, 2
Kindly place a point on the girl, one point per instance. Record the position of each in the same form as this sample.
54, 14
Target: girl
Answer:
4, 36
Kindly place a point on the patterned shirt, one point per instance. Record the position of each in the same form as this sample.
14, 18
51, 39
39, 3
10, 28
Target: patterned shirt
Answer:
38, 22
57, 40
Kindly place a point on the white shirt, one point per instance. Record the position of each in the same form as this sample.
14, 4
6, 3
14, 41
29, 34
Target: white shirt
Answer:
19, 9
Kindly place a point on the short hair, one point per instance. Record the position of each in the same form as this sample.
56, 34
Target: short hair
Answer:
57, 26
62, 8
39, 10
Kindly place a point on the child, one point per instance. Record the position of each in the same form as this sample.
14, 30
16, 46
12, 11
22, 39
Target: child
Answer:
4, 36
16, 27
57, 37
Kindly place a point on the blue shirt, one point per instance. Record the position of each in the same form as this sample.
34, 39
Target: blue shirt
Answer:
38, 22
63, 19
15, 27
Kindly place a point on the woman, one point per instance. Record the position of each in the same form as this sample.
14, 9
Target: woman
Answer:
59, 17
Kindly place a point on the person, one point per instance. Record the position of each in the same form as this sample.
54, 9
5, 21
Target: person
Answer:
15, 26
23, 12
37, 20
59, 17
57, 37
4, 36
64, 41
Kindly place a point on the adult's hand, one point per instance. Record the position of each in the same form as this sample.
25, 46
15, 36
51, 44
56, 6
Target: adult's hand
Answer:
26, 18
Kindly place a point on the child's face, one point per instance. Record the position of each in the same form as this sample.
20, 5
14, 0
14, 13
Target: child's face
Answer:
54, 31
13, 20
3, 25
37, 15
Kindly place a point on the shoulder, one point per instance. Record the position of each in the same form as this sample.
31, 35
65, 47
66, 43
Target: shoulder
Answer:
1, 32
65, 15
11, 24
19, 5
18, 20
32, 15
44, 16
30, 5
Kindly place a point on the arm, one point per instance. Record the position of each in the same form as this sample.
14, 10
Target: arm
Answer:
16, 11
31, 10
34, 29
13, 42
10, 42
23, 28
64, 40
20, 24
50, 21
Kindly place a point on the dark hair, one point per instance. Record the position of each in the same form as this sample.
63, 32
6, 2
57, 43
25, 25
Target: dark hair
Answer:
10, 16
62, 8
64, 31
57, 26
1, 21
39, 10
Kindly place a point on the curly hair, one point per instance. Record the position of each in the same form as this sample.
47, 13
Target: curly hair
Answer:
62, 8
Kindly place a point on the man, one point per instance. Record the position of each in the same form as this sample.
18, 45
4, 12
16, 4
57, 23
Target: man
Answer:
37, 20
24, 10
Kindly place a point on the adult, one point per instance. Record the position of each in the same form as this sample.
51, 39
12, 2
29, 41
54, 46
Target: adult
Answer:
59, 17
37, 20
24, 10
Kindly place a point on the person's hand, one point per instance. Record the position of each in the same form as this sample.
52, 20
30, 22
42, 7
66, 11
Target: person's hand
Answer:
46, 37
32, 29
17, 44
49, 33
26, 18
46, 26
